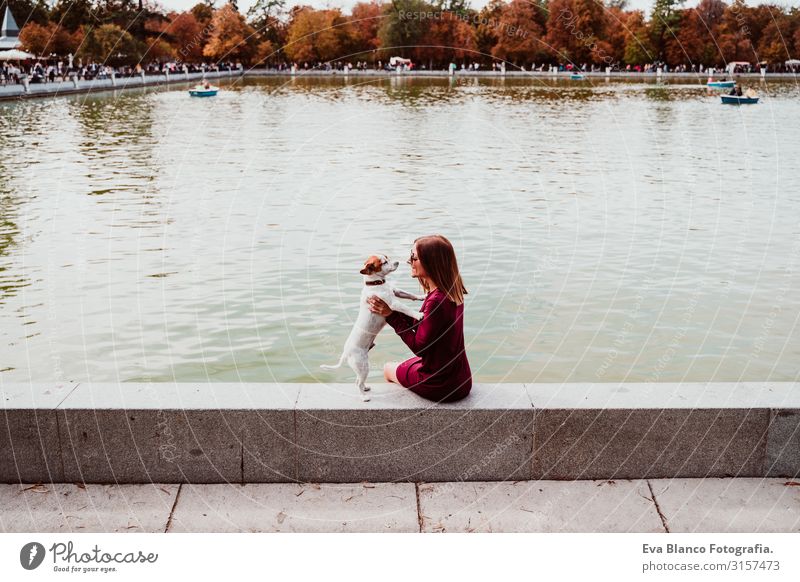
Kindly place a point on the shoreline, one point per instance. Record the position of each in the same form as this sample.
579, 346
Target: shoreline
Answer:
63, 88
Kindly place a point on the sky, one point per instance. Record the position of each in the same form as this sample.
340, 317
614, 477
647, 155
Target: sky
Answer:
244, 5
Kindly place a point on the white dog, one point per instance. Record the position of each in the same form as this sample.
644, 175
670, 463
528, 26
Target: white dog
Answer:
369, 324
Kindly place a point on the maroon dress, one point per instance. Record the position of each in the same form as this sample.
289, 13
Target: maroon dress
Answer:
440, 370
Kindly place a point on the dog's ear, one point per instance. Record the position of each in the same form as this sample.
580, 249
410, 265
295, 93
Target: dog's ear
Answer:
371, 265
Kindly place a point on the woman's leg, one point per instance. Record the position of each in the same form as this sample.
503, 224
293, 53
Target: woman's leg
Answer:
390, 372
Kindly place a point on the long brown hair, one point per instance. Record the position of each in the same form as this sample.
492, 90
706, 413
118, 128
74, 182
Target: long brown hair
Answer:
439, 261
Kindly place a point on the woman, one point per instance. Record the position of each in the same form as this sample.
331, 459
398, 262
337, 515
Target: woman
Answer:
439, 371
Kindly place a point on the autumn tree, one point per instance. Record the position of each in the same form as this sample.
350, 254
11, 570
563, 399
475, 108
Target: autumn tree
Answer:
775, 42
575, 29
519, 34
186, 35
695, 42
231, 37
616, 31
446, 39
365, 20
734, 38
43, 40
317, 36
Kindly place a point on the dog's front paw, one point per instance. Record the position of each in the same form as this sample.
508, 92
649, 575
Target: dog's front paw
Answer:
367, 388
364, 398
420, 298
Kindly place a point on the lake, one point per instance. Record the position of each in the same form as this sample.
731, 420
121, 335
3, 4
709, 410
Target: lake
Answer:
606, 231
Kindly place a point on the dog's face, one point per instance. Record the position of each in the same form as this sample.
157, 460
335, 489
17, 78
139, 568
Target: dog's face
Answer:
379, 265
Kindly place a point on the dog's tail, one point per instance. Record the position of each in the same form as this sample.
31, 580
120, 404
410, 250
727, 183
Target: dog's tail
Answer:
329, 367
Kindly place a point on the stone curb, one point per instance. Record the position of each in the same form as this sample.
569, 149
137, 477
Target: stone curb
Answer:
243, 433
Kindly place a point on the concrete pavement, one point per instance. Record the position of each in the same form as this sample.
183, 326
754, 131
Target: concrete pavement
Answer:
642, 506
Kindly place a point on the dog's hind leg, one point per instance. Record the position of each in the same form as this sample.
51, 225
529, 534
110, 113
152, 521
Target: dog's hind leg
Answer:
361, 368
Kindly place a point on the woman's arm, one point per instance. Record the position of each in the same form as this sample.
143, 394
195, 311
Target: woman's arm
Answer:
417, 335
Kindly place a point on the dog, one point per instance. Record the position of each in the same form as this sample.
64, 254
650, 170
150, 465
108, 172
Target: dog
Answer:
368, 324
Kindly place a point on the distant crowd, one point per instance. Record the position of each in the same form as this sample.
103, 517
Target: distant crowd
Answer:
42, 71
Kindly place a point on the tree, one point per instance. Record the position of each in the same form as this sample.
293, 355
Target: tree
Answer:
187, 36
710, 12
26, 11
158, 50
616, 32
775, 42
203, 12
317, 35
231, 37
36, 38
519, 39
664, 24
265, 17
575, 30
71, 14
734, 34
48, 39
111, 45
401, 36
486, 36
365, 21
446, 39
638, 49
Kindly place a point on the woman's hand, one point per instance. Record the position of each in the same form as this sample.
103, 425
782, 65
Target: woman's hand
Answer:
379, 306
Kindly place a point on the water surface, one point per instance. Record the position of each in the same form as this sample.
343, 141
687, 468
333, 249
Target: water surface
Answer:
605, 230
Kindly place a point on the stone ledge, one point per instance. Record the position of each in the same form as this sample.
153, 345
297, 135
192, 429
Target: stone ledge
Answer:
241, 433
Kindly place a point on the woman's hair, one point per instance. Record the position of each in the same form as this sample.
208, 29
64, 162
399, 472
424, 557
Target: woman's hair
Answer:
439, 261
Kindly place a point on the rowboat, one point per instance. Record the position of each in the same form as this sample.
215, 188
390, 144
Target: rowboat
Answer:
201, 91
577, 77
721, 84
737, 100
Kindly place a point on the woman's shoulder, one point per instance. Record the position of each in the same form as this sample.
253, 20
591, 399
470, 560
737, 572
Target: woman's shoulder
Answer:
440, 297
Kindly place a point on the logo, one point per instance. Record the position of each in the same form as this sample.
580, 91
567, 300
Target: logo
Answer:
31, 555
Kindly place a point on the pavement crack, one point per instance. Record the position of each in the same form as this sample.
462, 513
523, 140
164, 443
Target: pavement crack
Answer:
658, 508
172, 511
420, 519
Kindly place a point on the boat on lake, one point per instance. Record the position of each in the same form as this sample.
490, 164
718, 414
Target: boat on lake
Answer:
738, 99
203, 91
721, 84
577, 77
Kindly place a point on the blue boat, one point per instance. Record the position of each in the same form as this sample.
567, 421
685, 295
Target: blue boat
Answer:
737, 100
577, 77
201, 91
721, 84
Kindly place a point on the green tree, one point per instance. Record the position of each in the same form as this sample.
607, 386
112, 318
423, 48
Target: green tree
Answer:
72, 14
638, 49
664, 24
265, 17
398, 34
26, 11
109, 44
